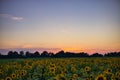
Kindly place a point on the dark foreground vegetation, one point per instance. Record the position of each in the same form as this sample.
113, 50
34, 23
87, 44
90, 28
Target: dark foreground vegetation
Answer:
22, 54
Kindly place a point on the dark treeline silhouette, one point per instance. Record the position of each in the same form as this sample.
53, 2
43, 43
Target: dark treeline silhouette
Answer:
60, 54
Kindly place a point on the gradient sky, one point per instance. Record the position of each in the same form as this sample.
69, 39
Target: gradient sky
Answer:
71, 25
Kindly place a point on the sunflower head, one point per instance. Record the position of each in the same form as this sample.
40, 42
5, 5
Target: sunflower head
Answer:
18, 76
109, 70
1, 72
117, 75
100, 77
73, 69
61, 75
112, 77
52, 70
87, 68
23, 72
75, 76
16, 71
13, 76
8, 78
91, 76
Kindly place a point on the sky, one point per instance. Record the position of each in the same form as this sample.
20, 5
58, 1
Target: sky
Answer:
70, 25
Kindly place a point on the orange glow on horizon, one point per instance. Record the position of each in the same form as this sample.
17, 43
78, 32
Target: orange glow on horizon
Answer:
90, 51
72, 49
55, 49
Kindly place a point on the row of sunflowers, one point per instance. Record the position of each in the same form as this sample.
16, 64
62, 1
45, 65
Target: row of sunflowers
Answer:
60, 69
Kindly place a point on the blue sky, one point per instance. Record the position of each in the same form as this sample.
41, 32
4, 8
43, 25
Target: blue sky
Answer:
71, 25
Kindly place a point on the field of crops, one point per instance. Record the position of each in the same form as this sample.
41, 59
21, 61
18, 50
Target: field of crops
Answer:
60, 69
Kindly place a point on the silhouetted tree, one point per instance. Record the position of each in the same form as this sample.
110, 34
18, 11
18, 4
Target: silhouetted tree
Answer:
22, 53
28, 54
36, 54
60, 54
44, 54
0, 55
10, 53
82, 54
51, 54
112, 54
13, 54
118, 54
69, 54
96, 55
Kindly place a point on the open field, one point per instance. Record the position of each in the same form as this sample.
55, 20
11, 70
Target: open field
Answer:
60, 69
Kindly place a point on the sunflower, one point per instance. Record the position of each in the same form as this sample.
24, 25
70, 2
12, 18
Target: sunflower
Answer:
91, 77
8, 78
73, 69
61, 75
13, 76
112, 77
117, 75
1, 72
56, 78
18, 76
23, 72
87, 68
109, 70
16, 71
100, 77
28, 67
75, 76
52, 70
52, 65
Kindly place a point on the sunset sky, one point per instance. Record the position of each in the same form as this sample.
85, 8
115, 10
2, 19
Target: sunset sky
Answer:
53, 25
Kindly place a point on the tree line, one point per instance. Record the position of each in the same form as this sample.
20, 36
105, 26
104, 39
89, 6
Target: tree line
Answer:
60, 54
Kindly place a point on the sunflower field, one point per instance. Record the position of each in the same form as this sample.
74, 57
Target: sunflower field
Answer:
60, 69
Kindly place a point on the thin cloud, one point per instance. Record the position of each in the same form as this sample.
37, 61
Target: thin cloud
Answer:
16, 18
